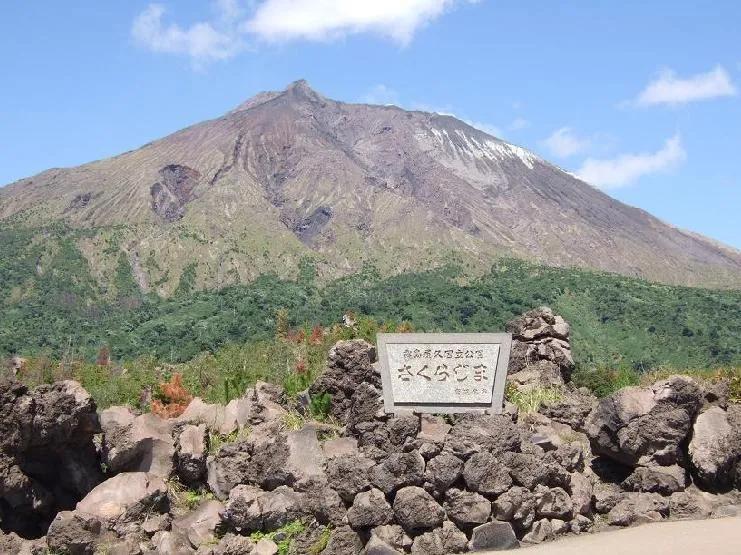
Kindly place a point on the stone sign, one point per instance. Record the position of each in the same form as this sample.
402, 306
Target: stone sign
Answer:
443, 372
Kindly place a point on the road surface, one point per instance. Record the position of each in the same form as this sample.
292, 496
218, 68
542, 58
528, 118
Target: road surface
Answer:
705, 537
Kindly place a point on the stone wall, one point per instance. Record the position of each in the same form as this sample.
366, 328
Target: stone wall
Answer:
373, 483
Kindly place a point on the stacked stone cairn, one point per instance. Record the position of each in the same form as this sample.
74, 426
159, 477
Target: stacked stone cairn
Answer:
80, 482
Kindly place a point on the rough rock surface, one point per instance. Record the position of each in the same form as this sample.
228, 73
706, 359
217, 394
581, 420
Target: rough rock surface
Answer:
393, 536
689, 505
133, 443
495, 535
552, 503
530, 470
715, 448
495, 434
349, 363
192, 453
349, 475
541, 531
369, 509
343, 541
376, 546
659, 479
250, 509
572, 408
638, 507
440, 541
199, 526
415, 509
126, 496
74, 533
638, 426
229, 467
443, 471
465, 508
398, 470
485, 474
47, 455
517, 506
541, 352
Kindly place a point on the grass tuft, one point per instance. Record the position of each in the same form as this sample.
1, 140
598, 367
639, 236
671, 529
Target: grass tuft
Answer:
530, 400
282, 537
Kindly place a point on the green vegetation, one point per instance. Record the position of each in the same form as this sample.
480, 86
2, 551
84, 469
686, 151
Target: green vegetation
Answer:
186, 498
530, 401
283, 536
54, 311
320, 406
215, 441
321, 543
187, 281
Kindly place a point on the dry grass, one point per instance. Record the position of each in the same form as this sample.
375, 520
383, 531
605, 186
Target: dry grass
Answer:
731, 375
531, 400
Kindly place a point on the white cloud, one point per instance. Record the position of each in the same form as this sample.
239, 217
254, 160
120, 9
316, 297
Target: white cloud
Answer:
672, 90
226, 34
277, 20
203, 41
519, 124
564, 143
381, 94
628, 168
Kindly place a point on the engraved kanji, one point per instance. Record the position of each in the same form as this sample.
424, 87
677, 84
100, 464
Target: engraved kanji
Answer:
479, 373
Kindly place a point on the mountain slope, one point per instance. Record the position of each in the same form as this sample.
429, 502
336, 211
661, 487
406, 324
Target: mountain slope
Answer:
290, 175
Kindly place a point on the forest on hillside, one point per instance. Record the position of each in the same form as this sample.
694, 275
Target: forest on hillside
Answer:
616, 321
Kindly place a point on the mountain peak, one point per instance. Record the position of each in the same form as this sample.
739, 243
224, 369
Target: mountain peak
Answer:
299, 84
300, 90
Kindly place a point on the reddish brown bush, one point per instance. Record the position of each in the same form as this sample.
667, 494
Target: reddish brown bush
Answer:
173, 398
301, 367
104, 356
317, 335
296, 336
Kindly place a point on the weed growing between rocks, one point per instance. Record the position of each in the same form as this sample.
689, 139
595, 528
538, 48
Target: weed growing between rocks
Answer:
184, 498
216, 440
530, 400
730, 378
321, 543
282, 537
293, 420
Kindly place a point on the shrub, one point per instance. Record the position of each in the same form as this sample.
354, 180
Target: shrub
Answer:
320, 406
173, 398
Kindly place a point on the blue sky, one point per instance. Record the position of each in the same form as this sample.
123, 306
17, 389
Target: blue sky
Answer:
640, 98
